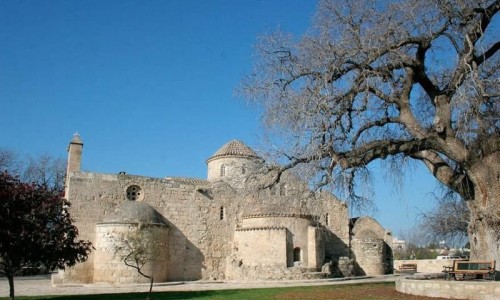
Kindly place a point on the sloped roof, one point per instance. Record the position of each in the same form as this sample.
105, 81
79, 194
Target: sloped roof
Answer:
234, 148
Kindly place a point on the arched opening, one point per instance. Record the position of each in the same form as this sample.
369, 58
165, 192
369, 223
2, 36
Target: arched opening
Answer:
296, 254
222, 170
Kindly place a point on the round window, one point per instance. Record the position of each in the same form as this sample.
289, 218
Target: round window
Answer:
134, 192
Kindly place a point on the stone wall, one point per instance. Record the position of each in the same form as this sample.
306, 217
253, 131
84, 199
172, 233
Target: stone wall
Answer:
109, 265
371, 247
191, 216
426, 265
262, 246
202, 217
369, 255
475, 290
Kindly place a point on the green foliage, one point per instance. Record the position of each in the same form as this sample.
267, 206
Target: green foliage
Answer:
36, 229
416, 252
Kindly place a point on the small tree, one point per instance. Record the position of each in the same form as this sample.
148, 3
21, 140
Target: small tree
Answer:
35, 229
138, 249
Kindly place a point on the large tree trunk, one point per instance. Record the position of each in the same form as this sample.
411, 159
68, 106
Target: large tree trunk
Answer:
484, 226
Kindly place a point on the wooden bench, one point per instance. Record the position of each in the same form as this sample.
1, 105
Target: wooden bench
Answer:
408, 268
465, 269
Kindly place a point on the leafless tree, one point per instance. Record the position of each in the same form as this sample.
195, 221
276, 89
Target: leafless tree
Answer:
448, 221
43, 169
9, 161
137, 249
410, 79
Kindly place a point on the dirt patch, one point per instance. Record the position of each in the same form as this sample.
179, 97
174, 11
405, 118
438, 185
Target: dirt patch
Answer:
355, 292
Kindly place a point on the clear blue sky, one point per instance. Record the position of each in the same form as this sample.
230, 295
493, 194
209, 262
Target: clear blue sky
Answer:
149, 85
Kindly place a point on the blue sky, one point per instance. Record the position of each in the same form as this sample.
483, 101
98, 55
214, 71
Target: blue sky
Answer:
149, 85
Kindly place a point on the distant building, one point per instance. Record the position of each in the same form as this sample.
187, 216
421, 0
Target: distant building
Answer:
220, 227
398, 245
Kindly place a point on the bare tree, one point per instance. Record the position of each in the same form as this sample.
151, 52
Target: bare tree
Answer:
410, 79
9, 161
138, 249
43, 169
448, 221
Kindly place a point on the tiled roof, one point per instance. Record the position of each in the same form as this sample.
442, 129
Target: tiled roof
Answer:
188, 180
276, 209
234, 148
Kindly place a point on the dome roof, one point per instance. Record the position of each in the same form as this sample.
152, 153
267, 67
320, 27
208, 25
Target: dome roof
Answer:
234, 148
135, 212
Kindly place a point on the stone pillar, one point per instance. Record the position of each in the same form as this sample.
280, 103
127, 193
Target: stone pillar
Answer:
74, 154
315, 248
74, 160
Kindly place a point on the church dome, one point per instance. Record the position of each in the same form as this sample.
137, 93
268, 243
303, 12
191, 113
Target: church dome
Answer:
234, 148
135, 212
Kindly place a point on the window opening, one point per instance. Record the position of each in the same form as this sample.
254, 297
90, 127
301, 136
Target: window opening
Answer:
296, 254
134, 192
222, 170
327, 219
243, 169
222, 213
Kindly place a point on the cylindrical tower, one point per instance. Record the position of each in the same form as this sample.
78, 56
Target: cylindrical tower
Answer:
135, 236
232, 162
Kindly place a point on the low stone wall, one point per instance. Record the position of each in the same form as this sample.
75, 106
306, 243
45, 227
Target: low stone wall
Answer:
426, 265
475, 290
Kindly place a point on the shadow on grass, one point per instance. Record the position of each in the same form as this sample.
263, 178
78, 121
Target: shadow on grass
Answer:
216, 294
351, 291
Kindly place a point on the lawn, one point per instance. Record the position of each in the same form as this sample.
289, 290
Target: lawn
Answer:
373, 291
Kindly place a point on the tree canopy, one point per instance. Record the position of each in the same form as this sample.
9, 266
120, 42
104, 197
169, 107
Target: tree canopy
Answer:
400, 80
35, 229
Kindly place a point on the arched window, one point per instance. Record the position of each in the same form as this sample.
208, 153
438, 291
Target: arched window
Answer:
222, 213
243, 169
327, 219
222, 170
296, 254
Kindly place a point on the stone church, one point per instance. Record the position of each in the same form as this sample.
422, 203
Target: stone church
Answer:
222, 227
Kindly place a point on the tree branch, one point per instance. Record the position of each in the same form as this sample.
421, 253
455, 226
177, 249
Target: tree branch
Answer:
377, 123
479, 59
456, 180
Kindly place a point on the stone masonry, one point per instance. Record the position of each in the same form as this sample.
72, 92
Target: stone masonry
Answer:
220, 228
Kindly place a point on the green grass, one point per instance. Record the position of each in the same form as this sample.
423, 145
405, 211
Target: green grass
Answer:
354, 291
